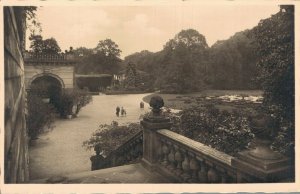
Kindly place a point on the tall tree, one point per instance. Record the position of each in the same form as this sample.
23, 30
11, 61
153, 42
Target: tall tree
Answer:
131, 77
233, 62
275, 39
183, 66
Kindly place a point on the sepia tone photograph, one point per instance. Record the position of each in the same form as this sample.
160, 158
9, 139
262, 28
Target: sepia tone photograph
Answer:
177, 93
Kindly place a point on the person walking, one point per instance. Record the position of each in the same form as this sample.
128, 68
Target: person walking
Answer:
117, 111
123, 112
141, 104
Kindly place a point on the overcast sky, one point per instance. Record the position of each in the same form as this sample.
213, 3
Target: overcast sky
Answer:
137, 28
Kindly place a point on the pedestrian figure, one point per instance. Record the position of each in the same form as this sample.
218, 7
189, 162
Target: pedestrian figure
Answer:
117, 111
141, 104
123, 112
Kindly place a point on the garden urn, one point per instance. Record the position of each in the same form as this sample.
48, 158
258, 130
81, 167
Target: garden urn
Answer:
263, 127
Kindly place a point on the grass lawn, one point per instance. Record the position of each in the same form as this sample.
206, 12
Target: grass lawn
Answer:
182, 101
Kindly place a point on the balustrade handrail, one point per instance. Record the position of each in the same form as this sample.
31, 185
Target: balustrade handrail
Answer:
48, 57
128, 141
110, 160
197, 147
184, 158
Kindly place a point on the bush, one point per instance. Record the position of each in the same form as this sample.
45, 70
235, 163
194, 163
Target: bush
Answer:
107, 138
225, 131
40, 116
72, 101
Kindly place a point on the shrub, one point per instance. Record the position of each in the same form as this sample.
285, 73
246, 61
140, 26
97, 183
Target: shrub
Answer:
72, 101
225, 131
109, 137
40, 116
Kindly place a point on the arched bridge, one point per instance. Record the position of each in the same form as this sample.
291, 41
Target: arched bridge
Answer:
49, 70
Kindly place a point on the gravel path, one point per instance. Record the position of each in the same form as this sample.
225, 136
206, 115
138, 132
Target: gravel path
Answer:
60, 151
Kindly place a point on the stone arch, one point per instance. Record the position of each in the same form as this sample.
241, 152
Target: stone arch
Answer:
48, 86
45, 75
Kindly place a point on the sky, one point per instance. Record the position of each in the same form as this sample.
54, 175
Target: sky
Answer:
137, 28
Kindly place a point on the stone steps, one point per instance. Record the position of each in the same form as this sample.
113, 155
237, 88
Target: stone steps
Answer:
132, 173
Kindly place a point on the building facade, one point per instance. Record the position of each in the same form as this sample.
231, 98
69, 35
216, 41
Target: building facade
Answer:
16, 140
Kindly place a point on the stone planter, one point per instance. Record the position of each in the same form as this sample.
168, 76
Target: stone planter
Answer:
69, 116
46, 100
263, 128
262, 164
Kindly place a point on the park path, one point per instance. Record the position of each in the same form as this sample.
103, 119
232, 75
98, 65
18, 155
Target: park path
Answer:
60, 151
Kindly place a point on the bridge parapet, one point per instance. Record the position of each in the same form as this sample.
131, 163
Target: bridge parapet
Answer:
39, 58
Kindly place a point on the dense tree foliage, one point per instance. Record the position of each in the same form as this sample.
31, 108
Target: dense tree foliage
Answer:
131, 77
40, 46
275, 46
102, 59
185, 58
233, 63
191, 65
108, 47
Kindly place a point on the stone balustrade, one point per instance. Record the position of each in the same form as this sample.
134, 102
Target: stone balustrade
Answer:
49, 58
129, 152
192, 162
184, 160
187, 161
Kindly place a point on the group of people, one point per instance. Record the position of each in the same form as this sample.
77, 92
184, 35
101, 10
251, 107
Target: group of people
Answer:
122, 110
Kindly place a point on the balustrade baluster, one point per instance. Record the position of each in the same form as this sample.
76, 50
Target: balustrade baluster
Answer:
140, 149
203, 172
224, 177
212, 175
136, 151
171, 157
165, 151
186, 167
194, 165
132, 153
161, 155
178, 159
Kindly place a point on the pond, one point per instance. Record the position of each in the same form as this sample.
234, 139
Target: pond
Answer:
234, 98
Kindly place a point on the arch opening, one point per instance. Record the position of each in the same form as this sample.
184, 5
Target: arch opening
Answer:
47, 87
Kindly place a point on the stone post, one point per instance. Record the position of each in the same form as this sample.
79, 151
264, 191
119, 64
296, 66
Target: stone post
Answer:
151, 123
262, 164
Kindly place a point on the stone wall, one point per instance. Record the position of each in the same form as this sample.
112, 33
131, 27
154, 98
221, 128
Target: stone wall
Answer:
64, 73
16, 141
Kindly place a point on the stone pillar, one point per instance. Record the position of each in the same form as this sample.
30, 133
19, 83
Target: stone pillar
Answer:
262, 164
151, 123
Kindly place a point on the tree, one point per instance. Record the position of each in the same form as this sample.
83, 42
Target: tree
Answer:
183, 66
40, 46
32, 22
102, 59
190, 39
108, 48
233, 62
131, 77
275, 46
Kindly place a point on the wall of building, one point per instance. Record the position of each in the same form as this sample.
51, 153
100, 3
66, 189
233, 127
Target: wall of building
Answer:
16, 141
63, 72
